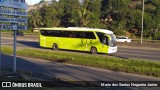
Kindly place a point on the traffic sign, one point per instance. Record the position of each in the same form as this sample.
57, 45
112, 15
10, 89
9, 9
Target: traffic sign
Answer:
13, 12
21, 27
13, 20
12, 27
14, 4
8, 27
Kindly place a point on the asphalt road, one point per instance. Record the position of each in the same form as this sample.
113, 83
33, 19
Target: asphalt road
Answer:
79, 73
76, 73
126, 53
71, 72
153, 55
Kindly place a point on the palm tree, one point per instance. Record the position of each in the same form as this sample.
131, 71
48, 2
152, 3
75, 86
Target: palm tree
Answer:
36, 18
84, 17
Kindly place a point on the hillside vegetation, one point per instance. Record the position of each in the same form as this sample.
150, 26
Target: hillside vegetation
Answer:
121, 16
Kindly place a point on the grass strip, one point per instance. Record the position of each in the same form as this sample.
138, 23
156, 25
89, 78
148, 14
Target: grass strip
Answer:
142, 67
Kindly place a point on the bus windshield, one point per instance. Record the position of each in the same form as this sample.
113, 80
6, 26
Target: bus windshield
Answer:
104, 39
112, 42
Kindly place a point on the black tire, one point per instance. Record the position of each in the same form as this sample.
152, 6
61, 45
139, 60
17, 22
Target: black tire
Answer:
93, 50
55, 46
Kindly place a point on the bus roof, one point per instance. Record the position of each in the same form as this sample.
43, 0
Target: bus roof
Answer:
77, 29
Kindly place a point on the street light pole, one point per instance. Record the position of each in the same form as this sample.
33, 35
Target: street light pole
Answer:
142, 21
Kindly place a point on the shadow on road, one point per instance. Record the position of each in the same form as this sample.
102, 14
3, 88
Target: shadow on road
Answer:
114, 55
30, 44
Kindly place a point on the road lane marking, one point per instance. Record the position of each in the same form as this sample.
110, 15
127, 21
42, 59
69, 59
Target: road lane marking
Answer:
7, 43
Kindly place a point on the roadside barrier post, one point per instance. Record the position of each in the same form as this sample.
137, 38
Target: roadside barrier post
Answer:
14, 51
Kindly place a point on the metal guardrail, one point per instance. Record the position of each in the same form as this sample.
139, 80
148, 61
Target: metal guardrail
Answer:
137, 43
138, 40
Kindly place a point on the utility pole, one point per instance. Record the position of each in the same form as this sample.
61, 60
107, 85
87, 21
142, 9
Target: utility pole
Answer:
142, 21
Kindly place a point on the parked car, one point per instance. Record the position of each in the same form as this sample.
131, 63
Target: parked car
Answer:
123, 39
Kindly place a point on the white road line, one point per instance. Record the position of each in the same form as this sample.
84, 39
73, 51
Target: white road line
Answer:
7, 43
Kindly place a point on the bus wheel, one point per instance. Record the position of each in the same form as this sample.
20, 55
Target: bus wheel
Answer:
93, 50
55, 47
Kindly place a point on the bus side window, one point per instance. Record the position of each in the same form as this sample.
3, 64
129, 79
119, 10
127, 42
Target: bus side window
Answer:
81, 35
100, 36
90, 35
72, 34
45, 33
58, 33
104, 40
107, 40
42, 32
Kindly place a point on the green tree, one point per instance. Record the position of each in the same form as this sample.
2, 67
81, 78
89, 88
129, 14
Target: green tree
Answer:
84, 14
94, 6
84, 17
120, 16
42, 1
133, 19
117, 10
69, 12
35, 19
50, 16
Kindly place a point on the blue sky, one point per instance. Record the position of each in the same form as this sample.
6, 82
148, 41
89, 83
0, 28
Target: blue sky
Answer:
33, 1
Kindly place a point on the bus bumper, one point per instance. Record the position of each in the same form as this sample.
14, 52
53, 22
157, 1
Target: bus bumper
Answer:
112, 49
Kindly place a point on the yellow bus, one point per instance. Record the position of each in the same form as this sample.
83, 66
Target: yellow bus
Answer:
80, 39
